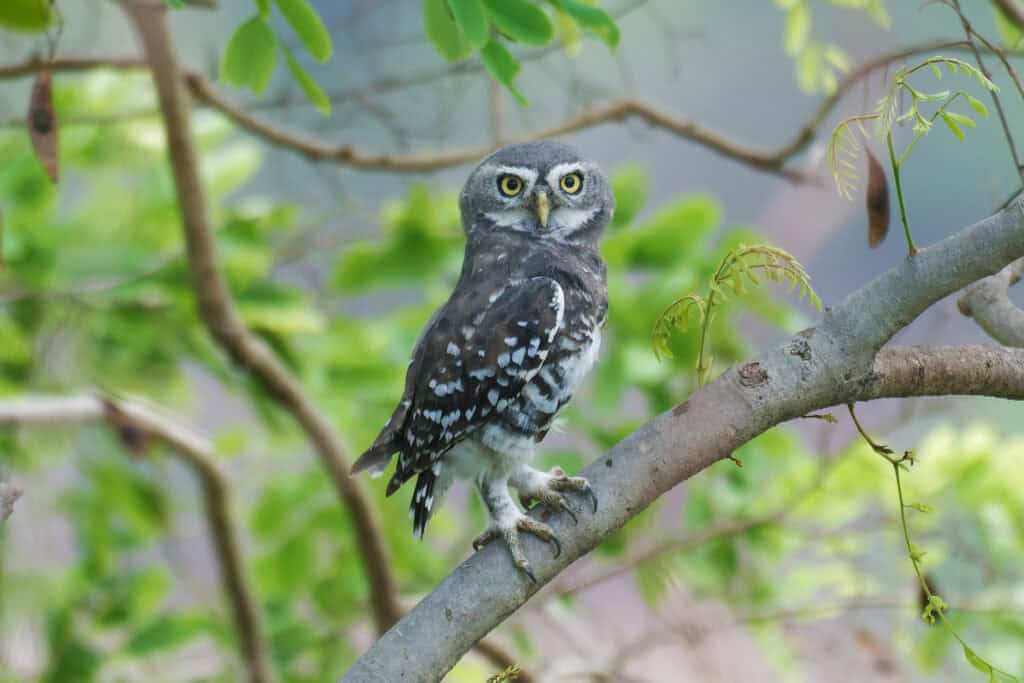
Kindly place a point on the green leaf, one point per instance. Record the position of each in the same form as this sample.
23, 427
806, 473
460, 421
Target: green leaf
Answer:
593, 19
30, 16
471, 17
962, 119
312, 89
262, 6
976, 661
920, 507
951, 124
164, 633
797, 30
308, 27
250, 55
521, 21
443, 32
503, 67
977, 105
1010, 33
837, 58
629, 187
568, 32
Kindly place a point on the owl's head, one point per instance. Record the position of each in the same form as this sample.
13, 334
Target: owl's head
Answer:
545, 189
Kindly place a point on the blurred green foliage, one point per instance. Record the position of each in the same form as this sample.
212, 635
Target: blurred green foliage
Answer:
95, 292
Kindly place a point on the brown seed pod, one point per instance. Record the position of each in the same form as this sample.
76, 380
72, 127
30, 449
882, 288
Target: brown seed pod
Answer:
42, 124
877, 201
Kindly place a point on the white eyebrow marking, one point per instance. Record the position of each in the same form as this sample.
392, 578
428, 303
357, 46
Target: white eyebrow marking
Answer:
556, 173
528, 175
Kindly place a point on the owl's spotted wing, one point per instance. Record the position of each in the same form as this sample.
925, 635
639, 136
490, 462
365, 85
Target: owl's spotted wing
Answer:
466, 368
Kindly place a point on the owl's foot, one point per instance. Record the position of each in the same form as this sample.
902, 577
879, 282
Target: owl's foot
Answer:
547, 488
508, 528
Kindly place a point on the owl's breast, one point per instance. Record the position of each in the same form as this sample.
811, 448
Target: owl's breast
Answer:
572, 355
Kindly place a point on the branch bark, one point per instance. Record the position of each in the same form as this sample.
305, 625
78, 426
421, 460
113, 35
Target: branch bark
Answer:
218, 312
198, 454
988, 302
834, 363
768, 160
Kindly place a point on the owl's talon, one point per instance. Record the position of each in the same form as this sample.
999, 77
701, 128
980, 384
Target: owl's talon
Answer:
561, 482
511, 536
484, 538
567, 509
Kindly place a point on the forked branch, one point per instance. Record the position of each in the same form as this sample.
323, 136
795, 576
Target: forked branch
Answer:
197, 453
837, 362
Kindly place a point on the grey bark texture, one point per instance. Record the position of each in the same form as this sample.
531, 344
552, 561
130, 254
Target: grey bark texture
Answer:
988, 302
834, 363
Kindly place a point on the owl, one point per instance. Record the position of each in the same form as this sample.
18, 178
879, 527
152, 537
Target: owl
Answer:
495, 365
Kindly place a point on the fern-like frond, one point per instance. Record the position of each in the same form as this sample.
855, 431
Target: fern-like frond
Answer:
675, 317
843, 150
742, 267
778, 265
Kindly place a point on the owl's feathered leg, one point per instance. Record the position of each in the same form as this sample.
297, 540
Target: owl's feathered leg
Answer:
507, 520
547, 488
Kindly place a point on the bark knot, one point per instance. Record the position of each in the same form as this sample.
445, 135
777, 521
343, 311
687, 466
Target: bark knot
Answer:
752, 374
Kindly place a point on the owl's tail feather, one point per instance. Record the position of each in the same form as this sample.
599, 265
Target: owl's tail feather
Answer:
377, 457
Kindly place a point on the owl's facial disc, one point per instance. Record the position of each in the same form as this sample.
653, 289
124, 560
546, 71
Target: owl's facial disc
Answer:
542, 205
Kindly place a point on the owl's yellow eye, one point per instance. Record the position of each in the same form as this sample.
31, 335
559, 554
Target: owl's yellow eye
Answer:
510, 185
571, 182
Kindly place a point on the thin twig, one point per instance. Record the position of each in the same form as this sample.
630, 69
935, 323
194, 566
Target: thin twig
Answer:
970, 33
197, 453
218, 311
769, 161
839, 361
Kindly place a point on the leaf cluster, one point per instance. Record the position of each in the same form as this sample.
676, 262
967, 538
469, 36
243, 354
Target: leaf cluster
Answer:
251, 54
741, 268
818, 62
893, 109
458, 28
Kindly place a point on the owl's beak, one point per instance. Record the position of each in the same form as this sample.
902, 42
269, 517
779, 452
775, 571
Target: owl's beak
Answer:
543, 207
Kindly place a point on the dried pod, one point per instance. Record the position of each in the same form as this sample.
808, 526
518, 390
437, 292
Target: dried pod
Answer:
42, 124
877, 201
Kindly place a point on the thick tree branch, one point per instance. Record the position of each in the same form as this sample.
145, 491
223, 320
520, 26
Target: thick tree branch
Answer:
9, 494
768, 160
198, 454
836, 362
218, 311
988, 302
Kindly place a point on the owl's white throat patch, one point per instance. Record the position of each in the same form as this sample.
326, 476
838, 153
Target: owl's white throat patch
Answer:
568, 220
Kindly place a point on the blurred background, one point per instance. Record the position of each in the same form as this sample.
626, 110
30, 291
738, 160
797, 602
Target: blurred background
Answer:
791, 568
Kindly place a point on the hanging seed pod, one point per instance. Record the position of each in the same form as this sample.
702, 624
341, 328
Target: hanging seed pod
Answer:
42, 124
877, 201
